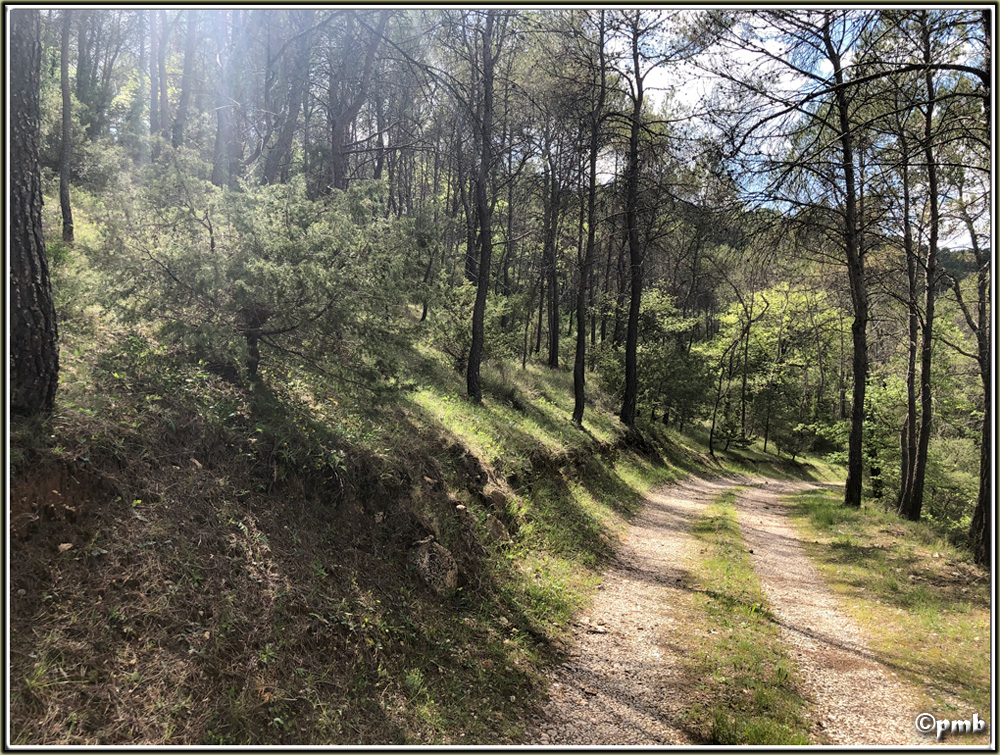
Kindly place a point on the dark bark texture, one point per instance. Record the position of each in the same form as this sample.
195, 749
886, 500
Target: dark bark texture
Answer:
34, 358
66, 152
485, 213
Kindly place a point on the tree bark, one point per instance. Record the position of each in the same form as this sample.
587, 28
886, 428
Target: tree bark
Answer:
908, 435
912, 507
627, 415
856, 277
980, 532
344, 111
187, 80
34, 355
586, 269
66, 152
221, 167
551, 226
161, 63
485, 212
280, 155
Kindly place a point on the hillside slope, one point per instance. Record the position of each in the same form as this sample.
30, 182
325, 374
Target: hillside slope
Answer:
197, 561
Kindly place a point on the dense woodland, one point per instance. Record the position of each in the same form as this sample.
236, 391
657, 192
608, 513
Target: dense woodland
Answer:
774, 225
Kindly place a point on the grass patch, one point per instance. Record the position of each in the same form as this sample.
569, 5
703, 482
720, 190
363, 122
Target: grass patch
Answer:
201, 562
921, 601
689, 450
751, 684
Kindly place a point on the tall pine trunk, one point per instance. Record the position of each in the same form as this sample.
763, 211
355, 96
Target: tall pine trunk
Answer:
551, 269
856, 277
34, 356
586, 269
221, 167
627, 414
912, 507
485, 212
66, 152
187, 80
161, 64
908, 434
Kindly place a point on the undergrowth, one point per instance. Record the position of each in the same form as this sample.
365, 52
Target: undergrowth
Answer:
202, 560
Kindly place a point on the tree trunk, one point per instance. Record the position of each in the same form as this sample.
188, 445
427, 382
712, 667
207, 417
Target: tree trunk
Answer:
66, 153
34, 355
161, 63
908, 435
745, 370
915, 504
221, 167
280, 155
154, 81
187, 80
856, 277
541, 313
586, 269
344, 111
485, 211
549, 243
627, 415
981, 531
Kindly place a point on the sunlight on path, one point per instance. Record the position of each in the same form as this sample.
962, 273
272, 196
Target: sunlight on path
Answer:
859, 701
623, 683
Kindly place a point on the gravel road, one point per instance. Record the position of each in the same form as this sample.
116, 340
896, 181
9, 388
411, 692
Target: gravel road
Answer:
624, 681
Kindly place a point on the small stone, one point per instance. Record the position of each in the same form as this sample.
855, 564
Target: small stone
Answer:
496, 497
435, 565
496, 529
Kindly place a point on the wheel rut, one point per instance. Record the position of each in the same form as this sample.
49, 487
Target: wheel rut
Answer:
626, 679
623, 683
858, 699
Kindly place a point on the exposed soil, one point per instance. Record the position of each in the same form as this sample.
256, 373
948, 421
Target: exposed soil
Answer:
625, 681
858, 699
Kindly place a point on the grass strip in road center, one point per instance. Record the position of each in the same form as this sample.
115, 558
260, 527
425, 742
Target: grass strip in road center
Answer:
750, 694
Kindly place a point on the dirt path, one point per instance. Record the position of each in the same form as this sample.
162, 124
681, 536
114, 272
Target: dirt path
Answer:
622, 684
858, 700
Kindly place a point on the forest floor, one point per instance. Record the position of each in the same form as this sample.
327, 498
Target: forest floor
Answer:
647, 667
199, 562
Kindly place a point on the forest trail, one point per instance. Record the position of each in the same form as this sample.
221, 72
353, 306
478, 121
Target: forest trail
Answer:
625, 681
858, 700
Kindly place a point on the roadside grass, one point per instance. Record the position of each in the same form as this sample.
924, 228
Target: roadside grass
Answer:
234, 569
213, 564
922, 602
750, 684
689, 450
